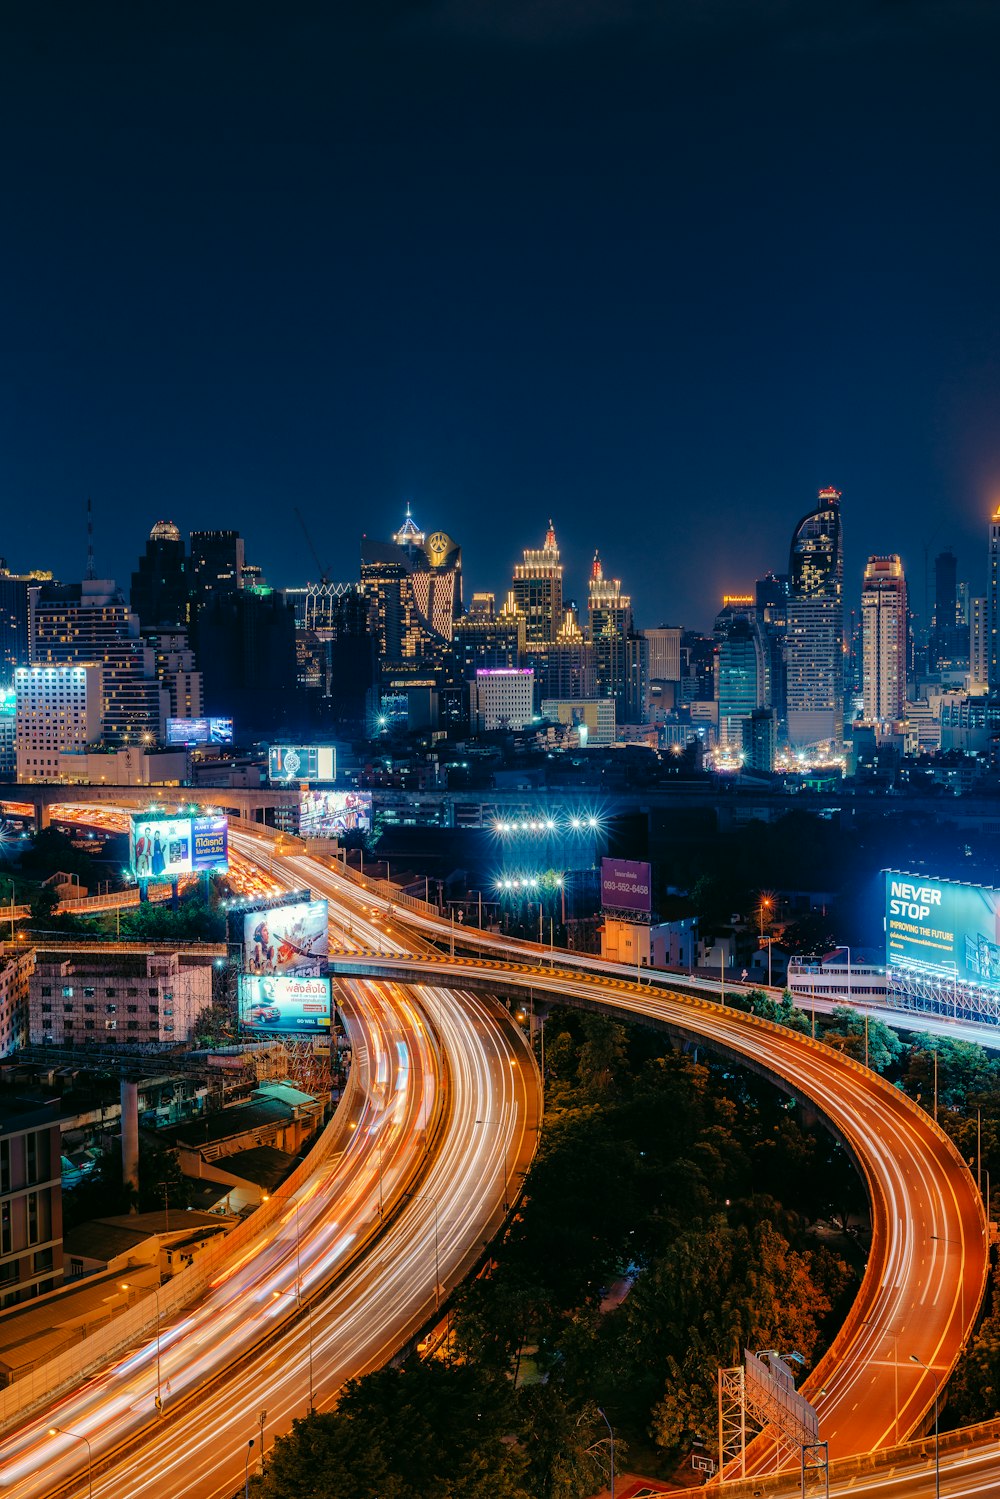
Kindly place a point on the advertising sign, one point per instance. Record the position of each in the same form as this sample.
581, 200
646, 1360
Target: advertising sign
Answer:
163, 848
330, 814
294, 938
626, 885
8, 702
285, 1003
188, 731
288, 763
943, 927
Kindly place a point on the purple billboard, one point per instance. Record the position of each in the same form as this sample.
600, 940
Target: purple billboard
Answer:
626, 886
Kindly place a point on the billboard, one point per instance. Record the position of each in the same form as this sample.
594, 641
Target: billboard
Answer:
291, 938
626, 885
8, 702
939, 926
330, 814
165, 847
187, 731
287, 763
285, 1003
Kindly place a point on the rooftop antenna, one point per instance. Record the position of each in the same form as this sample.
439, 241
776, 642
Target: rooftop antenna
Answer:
90, 541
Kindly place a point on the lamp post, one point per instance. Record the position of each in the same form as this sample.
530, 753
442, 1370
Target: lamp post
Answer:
125, 1285
611, 1434
246, 1470
937, 1449
62, 1431
296, 1291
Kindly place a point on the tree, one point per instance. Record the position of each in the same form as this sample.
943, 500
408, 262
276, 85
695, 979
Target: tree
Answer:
214, 1025
847, 1034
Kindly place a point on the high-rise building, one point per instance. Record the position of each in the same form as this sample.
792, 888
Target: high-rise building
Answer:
80, 623
814, 647
945, 608
771, 593
883, 634
174, 665
161, 584
414, 587
538, 591
31, 1245
485, 637
565, 668
502, 698
979, 655
664, 646
609, 627
217, 564
993, 605
15, 614
246, 651
760, 739
742, 680
58, 711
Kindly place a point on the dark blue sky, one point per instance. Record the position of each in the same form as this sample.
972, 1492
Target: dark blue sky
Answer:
657, 269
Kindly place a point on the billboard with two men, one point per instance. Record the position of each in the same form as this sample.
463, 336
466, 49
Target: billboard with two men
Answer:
946, 929
167, 846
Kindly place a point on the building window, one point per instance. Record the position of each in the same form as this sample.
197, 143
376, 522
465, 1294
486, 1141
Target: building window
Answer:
111, 993
46, 990
6, 1234
32, 1156
88, 1009
31, 1207
67, 991
111, 1009
4, 1165
43, 1260
88, 991
46, 1009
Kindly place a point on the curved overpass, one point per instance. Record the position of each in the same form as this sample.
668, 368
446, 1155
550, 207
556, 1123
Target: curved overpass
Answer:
929, 1257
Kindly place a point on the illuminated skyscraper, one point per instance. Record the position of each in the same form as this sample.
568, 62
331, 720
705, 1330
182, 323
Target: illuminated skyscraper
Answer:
883, 640
814, 648
610, 626
993, 603
538, 591
414, 587
978, 645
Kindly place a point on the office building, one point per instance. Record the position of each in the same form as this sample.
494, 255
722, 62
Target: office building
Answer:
246, 651
814, 647
31, 1258
883, 636
161, 583
610, 625
979, 656
564, 668
175, 669
664, 653
486, 637
217, 565
58, 711
502, 698
742, 679
90, 622
15, 615
538, 591
413, 584
759, 732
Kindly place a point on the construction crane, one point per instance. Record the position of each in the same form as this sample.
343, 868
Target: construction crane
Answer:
324, 572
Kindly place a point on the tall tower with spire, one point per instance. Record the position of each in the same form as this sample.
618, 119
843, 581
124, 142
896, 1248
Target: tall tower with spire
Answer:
610, 627
538, 591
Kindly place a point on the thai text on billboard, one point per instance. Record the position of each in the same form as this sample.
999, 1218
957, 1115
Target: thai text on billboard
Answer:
285, 1003
949, 929
331, 814
166, 847
626, 885
289, 764
294, 938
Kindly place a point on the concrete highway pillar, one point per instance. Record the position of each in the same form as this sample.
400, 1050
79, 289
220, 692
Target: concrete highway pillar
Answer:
130, 1133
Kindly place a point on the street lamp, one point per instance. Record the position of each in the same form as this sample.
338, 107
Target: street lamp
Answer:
125, 1285
246, 1470
612, 1436
296, 1291
77, 1436
937, 1450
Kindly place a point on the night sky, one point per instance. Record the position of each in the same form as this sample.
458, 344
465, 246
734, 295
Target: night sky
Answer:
659, 270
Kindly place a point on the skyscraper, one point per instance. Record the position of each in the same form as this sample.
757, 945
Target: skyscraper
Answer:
414, 587
14, 625
883, 640
943, 638
993, 621
610, 626
217, 562
161, 584
538, 591
743, 679
978, 645
814, 647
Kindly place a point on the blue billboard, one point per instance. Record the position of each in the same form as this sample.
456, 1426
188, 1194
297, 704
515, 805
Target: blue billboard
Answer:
942, 928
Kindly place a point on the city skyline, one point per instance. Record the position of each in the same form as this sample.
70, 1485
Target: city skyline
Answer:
658, 274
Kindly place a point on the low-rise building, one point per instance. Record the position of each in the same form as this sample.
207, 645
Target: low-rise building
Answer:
593, 718
834, 976
16, 967
133, 998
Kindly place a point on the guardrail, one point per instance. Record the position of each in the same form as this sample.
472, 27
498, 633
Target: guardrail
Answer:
91, 1353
